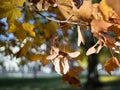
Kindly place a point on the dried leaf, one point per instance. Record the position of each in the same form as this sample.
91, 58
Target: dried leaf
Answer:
94, 49
65, 8
81, 13
60, 59
74, 54
80, 37
72, 76
115, 29
56, 63
39, 5
111, 64
99, 26
91, 51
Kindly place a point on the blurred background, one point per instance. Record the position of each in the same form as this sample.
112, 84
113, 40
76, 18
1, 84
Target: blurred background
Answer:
22, 74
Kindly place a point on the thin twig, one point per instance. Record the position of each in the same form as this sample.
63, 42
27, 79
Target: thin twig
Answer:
60, 21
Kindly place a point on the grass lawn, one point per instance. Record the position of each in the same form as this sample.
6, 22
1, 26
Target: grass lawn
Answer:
54, 83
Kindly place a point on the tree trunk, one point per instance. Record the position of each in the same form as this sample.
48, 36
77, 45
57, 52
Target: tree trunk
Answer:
92, 77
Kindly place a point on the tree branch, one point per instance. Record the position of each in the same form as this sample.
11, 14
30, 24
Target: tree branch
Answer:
60, 21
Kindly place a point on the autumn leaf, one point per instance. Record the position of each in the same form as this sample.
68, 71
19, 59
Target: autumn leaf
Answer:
99, 26
39, 5
17, 2
23, 51
94, 49
29, 28
114, 4
60, 59
21, 30
70, 10
81, 13
115, 29
40, 57
9, 9
96, 13
65, 8
80, 36
111, 64
105, 9
18, 31
49, 28
42, 5
72, 76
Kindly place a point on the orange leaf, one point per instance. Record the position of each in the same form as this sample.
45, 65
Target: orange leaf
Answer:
111, 64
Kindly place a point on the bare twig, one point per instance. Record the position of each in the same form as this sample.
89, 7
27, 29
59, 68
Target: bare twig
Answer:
61, 21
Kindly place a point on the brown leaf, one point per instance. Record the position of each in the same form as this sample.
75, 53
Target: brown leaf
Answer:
115, 29
111, 64
71, 80
72, 76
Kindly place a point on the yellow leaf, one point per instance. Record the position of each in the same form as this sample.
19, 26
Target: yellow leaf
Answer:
50, 28
20, 30
18, 2
29, 28
24, 49
20, 34
115, 5
8, 9
12, 28
105, 9
40, 57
